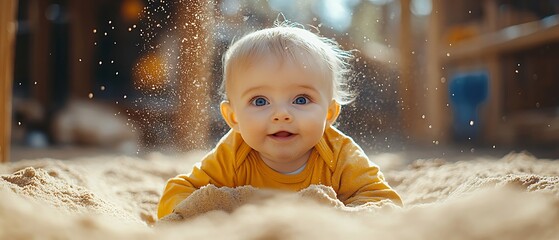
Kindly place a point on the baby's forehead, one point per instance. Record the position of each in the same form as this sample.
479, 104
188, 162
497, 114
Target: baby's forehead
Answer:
304, 61
264, 68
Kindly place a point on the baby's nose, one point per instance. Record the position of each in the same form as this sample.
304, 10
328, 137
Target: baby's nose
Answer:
282, 114
286, 118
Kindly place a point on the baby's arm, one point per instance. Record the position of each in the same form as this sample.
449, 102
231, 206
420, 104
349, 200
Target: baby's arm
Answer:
212, 170
361, 181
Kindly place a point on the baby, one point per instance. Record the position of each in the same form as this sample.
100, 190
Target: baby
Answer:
284, 87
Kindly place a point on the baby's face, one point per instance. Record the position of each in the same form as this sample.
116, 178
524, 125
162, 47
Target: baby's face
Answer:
280, 110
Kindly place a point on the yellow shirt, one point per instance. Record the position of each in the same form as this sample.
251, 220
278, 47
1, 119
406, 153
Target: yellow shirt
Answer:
335, 161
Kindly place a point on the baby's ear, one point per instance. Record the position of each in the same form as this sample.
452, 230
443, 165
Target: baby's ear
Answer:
229, 115
333, 112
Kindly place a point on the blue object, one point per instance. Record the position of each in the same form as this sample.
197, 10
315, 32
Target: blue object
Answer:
467, 92
36, 139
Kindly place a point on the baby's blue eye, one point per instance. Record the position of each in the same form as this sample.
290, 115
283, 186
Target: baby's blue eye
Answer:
259, 101
301, 100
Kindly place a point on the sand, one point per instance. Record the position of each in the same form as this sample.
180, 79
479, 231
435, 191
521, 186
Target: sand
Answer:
115, 197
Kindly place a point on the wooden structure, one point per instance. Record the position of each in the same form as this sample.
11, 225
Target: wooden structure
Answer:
502, 38
426, 117
7, 36
85, 31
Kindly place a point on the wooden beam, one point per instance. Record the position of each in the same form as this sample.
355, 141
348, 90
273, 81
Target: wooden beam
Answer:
521, 36
81, 51
41, 63
493, 111
438, 114
8, 28
195, 20
405, 89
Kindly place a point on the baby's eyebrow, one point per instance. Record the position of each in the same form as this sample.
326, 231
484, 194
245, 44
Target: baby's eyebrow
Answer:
311, 88
248, 91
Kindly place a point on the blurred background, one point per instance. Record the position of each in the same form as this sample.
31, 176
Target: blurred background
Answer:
433, 78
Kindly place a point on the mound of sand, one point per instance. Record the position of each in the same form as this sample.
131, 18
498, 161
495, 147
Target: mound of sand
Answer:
516, 197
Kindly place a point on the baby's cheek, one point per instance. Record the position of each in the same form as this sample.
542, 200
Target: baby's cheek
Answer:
315, 116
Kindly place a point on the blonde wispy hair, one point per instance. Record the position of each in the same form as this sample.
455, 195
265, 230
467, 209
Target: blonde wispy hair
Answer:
292, 42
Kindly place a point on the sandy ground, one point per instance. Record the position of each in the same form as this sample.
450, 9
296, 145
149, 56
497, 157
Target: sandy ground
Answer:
114, 197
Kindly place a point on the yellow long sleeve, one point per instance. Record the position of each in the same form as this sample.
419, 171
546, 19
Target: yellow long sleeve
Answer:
216, 168
356, 179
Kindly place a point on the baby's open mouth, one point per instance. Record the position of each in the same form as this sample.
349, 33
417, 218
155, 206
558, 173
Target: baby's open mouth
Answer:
282, 134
